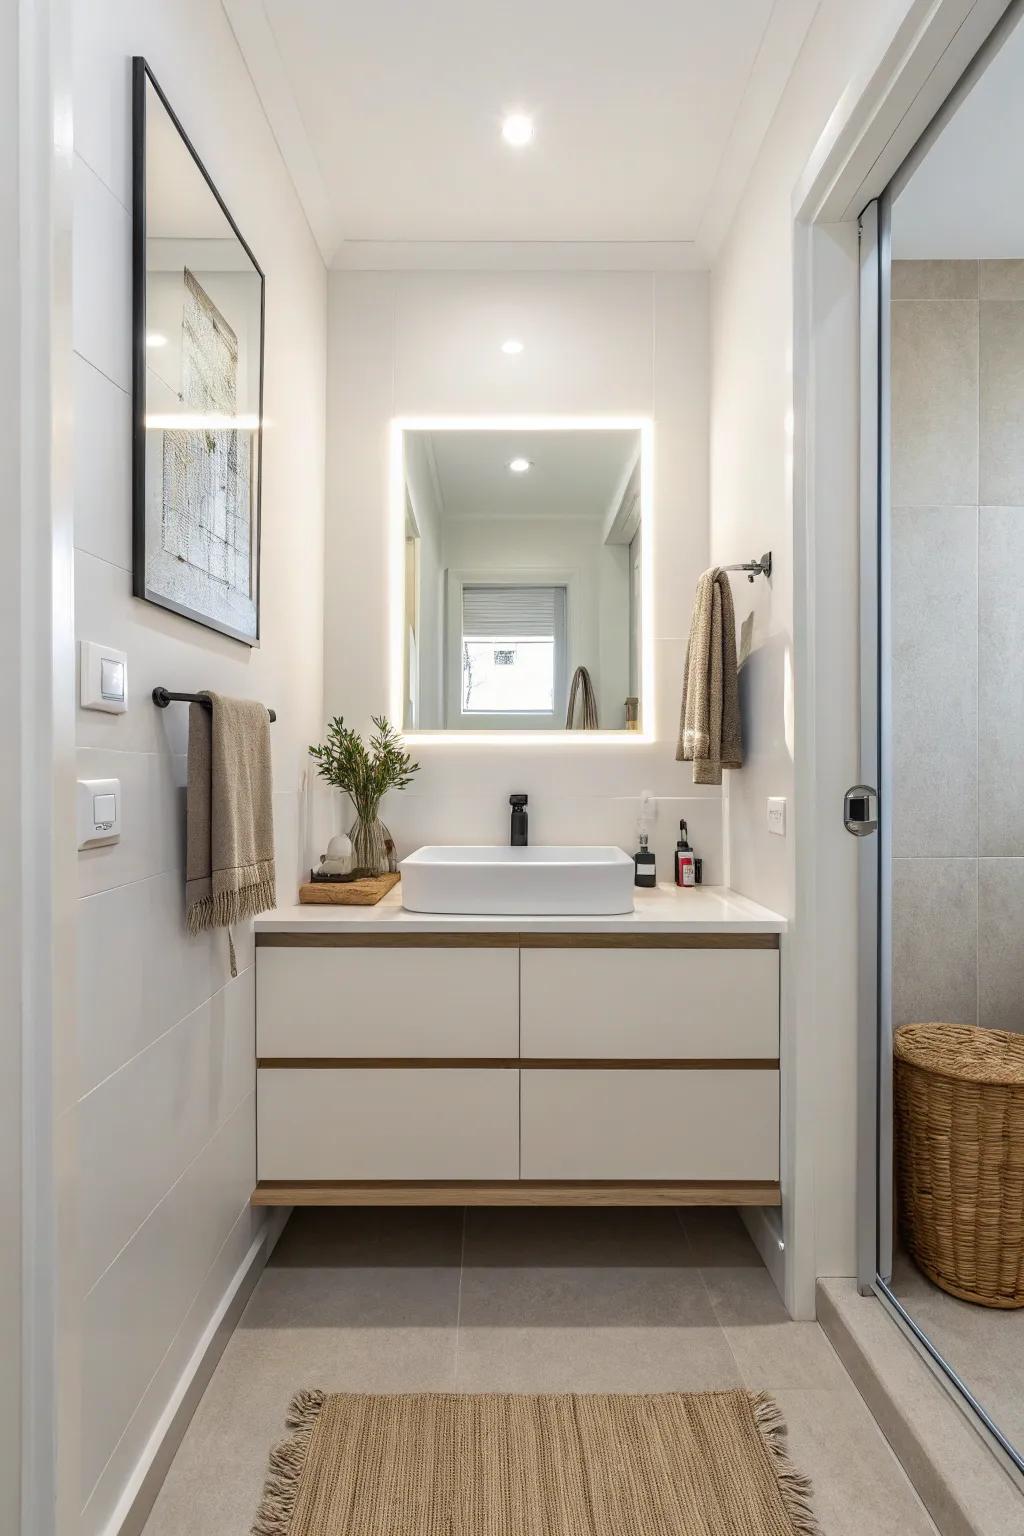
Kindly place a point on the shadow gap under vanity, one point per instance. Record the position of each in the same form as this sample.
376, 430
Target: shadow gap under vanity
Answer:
624, 1060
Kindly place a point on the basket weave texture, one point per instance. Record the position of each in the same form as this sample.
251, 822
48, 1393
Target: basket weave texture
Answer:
959, 1149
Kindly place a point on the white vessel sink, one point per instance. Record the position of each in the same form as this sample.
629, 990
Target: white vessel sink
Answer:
519, 882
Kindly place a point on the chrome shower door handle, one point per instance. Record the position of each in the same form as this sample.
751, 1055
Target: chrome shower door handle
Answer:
860, 810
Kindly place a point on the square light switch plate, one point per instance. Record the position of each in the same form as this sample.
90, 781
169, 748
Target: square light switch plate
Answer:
104, 678
98, 812
776, 812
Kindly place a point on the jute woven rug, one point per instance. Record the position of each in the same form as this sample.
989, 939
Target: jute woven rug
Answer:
449, 1464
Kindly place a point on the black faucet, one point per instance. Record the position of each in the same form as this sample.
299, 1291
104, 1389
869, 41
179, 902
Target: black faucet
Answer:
520, 821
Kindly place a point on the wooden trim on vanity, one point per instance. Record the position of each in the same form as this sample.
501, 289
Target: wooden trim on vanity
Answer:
500, 939
648, 941
532, 1063
516, 1192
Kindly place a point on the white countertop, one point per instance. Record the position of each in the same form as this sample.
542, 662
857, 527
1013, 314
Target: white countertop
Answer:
702, 909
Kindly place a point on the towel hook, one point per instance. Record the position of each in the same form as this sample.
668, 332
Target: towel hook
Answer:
762, 567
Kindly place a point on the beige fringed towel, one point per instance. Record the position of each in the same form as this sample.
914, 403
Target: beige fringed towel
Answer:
709, 723
229, 856
581, 680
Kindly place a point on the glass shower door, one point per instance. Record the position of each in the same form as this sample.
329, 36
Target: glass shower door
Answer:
942, 664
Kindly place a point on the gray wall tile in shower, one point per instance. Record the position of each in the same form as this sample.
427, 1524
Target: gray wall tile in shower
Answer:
1002, 402
934, 403
935, 680
1002, 279
934, 280
934, 940
1001, 943
1001, 683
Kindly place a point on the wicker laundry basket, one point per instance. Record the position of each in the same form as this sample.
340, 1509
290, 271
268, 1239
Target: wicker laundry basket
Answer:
959, 1151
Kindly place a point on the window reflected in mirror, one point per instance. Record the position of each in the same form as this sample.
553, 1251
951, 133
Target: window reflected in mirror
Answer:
523, 579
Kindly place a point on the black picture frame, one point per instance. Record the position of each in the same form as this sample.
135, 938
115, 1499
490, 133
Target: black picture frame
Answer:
141, 75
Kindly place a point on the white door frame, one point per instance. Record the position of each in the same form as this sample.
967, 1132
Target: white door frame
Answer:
39, 1408
876, 124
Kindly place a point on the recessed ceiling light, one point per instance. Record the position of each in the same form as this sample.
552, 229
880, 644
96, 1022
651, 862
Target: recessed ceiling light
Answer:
155, 339
517, 129
512, 347
519, 466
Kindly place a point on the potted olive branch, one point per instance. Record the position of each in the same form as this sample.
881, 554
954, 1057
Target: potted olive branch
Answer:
365, 775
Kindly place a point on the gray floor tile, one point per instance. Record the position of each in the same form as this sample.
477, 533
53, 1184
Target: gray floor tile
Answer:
717, 1237
375, 1236
984, 1345
859, 1486
595, 1359
637, 1236
577, 1300
770, 1350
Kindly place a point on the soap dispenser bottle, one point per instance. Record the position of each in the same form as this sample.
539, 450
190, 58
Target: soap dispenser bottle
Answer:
685, 862
646, 869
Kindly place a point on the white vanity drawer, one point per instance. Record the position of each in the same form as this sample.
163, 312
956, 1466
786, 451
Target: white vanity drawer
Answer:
374, 1001
387, 1123
663, 1003
673, 1123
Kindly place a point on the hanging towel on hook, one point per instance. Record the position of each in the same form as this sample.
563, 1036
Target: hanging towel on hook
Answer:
709, 721
581, 682
229, 854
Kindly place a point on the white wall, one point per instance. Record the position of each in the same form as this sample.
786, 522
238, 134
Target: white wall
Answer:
166, 1110
752, 450
429, 343
752, 427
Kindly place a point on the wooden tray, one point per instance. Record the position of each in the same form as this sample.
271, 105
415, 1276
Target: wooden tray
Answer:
352, 893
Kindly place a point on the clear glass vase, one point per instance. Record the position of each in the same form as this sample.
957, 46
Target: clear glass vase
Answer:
370, 845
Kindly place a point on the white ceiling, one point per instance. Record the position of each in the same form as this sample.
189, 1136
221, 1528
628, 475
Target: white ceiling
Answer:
573, 474
649, 115
966, 198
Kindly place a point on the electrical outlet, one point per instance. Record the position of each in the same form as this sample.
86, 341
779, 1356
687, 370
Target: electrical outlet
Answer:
776, 815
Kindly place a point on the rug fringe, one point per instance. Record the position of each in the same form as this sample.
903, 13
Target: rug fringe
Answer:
796, 1490
287, 1460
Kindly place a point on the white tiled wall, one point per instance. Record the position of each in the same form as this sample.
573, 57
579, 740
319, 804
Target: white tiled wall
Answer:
958, 641
595, 343
166, 1119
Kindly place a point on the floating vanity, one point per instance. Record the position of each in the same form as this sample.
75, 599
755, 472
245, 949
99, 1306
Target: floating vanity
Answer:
412, 1058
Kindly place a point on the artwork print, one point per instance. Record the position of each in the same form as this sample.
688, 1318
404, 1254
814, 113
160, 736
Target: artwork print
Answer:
206, 517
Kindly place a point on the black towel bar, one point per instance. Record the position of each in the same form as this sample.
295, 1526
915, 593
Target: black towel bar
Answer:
163, 696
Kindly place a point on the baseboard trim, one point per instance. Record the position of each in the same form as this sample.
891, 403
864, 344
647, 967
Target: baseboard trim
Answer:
766, 1233
136, 1502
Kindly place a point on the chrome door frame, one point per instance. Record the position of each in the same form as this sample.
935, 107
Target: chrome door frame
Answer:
868, 1158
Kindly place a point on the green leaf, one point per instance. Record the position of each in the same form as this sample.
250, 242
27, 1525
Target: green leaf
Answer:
365, 775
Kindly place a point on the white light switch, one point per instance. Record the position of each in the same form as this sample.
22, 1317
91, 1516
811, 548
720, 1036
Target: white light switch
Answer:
776, 811
104, 811
98, 809
103, 678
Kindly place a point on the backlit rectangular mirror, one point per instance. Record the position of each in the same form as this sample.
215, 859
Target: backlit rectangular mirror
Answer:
522, 576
